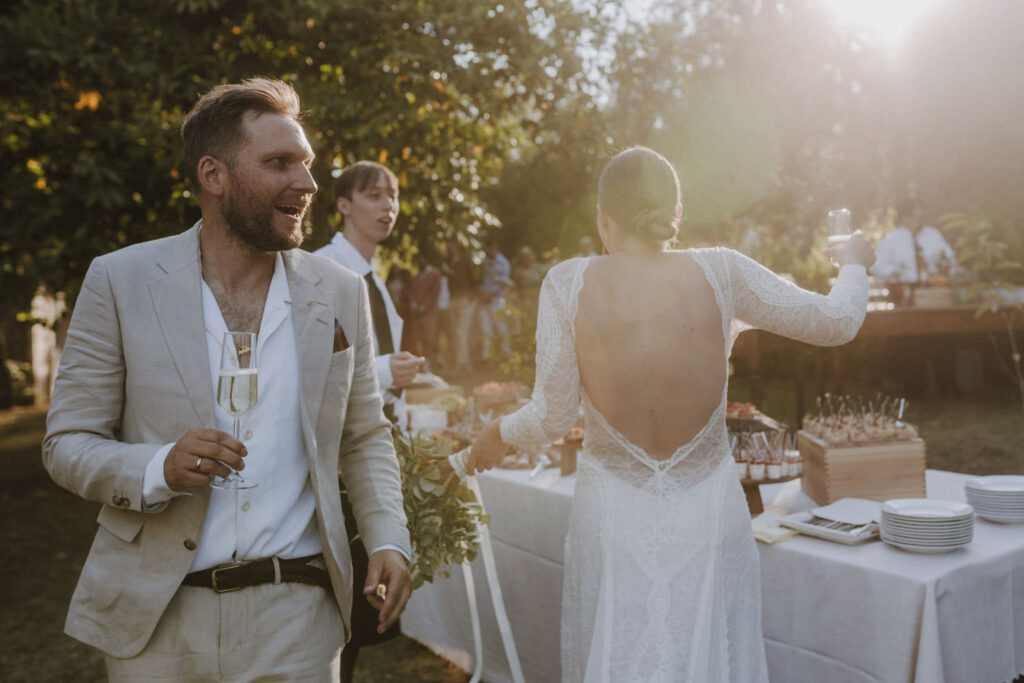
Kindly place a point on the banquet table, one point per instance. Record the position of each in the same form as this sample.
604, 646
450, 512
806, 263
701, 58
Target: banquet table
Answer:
902, 321
831, 612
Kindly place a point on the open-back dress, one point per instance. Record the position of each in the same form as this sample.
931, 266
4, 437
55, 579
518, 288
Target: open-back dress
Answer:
662, 579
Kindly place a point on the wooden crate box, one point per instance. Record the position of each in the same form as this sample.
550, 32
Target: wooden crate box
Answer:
878, 471
933, 297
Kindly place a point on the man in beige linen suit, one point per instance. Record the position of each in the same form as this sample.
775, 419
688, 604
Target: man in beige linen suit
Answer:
133, 425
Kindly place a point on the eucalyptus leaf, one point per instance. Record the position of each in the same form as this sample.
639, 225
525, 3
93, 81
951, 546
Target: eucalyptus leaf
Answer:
444, 515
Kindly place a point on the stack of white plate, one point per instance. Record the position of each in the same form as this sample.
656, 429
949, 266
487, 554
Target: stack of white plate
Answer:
998, 498
926, 525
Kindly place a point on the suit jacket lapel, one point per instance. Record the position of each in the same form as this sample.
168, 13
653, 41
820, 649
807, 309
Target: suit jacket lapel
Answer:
313, 318
178, 302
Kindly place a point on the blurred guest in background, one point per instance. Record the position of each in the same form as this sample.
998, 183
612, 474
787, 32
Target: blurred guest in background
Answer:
916, 255
424, 293
495, 283
458, 321
913, 253
750, 242
587, 247
528, 272
445, 325
49, 315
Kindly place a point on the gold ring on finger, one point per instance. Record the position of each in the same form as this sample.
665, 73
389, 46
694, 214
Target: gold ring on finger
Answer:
199, 461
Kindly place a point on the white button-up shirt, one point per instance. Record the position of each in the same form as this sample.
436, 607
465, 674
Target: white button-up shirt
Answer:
277, 517
341, 251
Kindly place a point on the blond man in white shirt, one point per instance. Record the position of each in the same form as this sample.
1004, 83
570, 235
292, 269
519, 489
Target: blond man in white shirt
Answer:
185, 582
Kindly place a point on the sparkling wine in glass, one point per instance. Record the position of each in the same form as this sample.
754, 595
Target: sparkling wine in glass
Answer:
838, 228
236, 390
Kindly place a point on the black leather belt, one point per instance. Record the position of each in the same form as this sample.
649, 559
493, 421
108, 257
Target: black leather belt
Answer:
234, 577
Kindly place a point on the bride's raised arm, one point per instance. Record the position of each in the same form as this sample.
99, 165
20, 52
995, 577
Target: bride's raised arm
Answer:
554, 406
766, 301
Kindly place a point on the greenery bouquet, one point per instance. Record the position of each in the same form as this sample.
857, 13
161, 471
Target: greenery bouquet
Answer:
444, 514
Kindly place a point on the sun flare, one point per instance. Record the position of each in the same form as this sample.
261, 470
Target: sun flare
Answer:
889, 20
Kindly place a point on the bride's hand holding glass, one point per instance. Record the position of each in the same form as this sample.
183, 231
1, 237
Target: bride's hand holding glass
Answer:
855, 250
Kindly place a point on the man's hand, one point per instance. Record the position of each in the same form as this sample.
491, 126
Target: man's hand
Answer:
388, 586
404, 367
200, 454
488, 449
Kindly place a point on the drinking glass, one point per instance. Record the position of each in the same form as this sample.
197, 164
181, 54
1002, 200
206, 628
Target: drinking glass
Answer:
236, 390
838, 228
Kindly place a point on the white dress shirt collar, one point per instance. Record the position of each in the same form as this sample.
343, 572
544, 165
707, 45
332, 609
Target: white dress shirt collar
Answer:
354, 260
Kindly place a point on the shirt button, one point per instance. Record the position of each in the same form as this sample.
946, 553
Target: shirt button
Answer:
245, 506
248, 434
120, 501
190, 544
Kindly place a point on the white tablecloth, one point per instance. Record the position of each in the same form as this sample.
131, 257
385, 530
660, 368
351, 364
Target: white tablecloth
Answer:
831, 612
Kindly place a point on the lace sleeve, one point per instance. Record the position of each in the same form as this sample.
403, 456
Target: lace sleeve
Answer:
764, 300
554, 407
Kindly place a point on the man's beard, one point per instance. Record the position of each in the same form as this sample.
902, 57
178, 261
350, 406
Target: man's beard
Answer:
253, 225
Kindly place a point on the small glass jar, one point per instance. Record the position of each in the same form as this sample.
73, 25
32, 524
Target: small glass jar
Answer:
741, 465
738, 455
758, 464
793, 462
776, 465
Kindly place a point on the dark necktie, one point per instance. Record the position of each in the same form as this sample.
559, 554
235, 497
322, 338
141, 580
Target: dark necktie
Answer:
379, 311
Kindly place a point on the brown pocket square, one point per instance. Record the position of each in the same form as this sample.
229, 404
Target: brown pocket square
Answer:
340, 340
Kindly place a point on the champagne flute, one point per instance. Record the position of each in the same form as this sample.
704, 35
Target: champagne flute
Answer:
236, 390
838, 228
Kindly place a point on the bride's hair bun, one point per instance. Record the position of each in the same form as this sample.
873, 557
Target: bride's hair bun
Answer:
639, 190
658, 225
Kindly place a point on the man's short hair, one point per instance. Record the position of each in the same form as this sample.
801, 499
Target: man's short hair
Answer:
214, 126
361, 175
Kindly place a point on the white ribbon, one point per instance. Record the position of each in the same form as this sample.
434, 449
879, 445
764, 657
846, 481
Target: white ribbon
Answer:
458, 462
478, 645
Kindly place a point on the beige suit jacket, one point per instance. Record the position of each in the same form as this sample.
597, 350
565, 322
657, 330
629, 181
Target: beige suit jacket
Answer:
135, 376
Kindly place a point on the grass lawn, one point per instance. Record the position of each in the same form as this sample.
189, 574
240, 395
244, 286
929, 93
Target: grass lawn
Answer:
47, 532
46, 536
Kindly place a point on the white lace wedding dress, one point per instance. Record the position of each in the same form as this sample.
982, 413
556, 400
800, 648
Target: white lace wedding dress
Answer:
662, 580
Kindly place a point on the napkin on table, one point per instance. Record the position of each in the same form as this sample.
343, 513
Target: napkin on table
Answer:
858, 511
768, 530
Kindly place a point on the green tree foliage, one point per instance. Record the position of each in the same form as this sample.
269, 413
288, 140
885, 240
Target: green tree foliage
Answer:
442, 92
505, 112
775, 112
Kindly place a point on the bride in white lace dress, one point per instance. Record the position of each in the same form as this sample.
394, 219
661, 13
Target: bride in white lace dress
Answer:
661, 573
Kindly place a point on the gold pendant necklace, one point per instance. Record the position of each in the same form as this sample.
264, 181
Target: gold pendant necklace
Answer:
244, 349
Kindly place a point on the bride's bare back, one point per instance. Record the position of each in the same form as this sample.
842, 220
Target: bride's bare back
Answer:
650, 346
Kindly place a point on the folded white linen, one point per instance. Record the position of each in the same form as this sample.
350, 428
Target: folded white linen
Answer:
857, 511
768, 530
